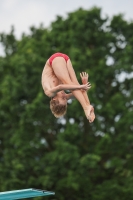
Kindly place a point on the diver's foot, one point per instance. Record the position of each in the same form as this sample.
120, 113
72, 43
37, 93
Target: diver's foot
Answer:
89, 112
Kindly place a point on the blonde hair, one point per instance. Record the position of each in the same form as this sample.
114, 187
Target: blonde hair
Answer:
57, 109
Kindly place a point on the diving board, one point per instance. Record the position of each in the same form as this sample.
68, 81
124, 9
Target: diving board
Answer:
24, 193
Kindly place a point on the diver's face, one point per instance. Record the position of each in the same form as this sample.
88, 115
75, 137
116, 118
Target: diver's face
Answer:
61, 97
62, 100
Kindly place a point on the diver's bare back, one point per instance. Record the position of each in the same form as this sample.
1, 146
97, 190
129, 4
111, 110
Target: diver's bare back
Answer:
49, 79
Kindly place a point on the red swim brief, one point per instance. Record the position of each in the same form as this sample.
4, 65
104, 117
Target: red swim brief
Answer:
55, 55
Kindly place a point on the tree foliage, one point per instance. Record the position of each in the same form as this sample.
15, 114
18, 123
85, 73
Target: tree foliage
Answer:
75, 159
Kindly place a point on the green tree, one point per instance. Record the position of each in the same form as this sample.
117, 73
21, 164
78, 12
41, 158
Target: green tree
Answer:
77, 160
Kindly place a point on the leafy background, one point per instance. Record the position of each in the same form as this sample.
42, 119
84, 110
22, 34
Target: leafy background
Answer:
75, 159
